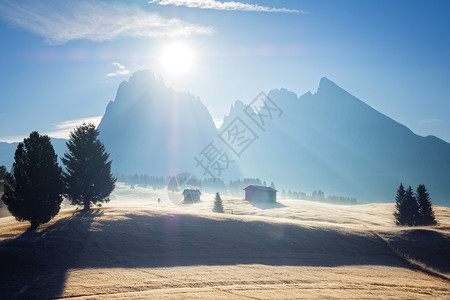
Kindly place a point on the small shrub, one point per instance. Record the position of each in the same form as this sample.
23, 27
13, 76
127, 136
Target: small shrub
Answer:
218, 207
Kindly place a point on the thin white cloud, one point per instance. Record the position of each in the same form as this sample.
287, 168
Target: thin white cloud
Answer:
219, 5
12, 139
120, 71
60, 21
62, 130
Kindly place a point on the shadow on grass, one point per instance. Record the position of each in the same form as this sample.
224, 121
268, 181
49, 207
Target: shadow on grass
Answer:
266, 205
35, 265
426, 246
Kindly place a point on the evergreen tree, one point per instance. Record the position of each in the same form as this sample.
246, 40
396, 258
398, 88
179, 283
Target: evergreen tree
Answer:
406, 207
218, 207
411, 207
426, 214
399, 210
2, 179
87, 178
33, 189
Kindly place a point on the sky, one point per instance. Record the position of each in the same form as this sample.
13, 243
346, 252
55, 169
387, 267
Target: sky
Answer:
61, 61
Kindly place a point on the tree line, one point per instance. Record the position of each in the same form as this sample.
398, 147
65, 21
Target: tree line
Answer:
318, 196
143, 180
233, 187
413, 209
35, 188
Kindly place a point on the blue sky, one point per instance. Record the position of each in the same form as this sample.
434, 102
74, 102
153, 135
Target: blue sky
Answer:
62, 61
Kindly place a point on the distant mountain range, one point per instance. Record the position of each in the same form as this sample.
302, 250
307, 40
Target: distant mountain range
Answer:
333, 141
328, 141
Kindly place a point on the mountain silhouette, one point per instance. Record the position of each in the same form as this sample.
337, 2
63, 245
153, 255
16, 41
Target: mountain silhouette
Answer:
151, 129
334, 142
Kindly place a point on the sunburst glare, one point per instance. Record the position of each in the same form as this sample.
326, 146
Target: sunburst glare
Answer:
177, 58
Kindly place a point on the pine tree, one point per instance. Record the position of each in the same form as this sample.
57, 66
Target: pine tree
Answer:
399, 211
87, 177
426, 215
218, 207
406, 207
411, 207
33, 189
2, 183
2, 179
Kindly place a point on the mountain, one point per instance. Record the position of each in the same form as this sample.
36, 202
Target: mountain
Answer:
328, 140
334, 142
151, 129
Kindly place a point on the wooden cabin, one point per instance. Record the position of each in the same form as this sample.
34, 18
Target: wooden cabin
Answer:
191, 195
259, 193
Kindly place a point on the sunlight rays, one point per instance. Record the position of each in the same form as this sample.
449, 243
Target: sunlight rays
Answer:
177, 58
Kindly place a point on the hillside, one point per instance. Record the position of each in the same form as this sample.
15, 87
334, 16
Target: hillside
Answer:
137, 248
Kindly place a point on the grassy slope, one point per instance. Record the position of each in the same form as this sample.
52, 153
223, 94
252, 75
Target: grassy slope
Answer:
136, 248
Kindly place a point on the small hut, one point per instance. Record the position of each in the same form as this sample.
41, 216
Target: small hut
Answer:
191, 195
261, 194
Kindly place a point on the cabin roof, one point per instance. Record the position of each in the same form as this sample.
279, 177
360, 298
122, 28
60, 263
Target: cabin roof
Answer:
191, 192
261, 187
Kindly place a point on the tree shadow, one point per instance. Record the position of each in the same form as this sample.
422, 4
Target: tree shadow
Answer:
35, 265
425, 245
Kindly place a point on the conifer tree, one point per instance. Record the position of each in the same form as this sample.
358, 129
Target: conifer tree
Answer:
425, 213
218, 207
32, 191
406, 207
399, 211
87, 177
411, 207
2, 179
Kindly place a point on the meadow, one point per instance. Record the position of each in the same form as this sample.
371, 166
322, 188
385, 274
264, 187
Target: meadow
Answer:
137, 248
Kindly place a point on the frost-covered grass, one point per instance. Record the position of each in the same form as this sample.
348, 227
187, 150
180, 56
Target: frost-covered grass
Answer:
135, 247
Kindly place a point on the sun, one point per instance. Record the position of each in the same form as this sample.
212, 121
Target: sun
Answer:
177, 58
